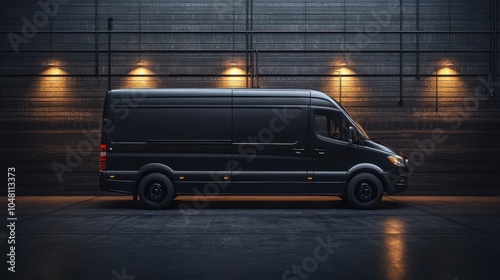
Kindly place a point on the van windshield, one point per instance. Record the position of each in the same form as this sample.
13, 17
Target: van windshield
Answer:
360, 128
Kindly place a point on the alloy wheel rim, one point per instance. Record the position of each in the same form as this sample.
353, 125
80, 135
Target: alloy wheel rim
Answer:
155, 192
366, 192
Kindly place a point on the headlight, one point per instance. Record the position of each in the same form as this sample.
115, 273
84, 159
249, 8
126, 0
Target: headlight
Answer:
397, 160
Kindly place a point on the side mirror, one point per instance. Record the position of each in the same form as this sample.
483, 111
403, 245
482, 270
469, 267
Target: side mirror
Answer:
353, 135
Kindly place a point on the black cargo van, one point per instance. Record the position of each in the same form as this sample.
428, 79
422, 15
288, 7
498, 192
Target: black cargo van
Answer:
159, 143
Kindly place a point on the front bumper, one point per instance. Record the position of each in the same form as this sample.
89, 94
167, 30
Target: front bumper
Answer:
396, 180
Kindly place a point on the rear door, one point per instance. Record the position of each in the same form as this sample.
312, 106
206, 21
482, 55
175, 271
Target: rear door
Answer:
270, 142
332, 154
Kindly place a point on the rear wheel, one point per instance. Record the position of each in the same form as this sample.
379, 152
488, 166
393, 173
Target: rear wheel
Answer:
364, 191
156, 191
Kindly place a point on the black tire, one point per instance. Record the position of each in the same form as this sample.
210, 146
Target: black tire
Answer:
156, 191
364, 191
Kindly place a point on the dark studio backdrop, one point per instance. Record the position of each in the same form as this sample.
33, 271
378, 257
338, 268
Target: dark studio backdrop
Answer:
419, 75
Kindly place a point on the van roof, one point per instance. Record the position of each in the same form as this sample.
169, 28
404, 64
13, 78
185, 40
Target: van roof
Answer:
193, 92
206, 90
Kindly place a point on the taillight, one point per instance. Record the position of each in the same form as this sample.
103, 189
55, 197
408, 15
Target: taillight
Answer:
103, 157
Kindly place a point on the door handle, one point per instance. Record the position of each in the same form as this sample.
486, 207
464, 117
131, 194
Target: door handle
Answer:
320, 151
298, 151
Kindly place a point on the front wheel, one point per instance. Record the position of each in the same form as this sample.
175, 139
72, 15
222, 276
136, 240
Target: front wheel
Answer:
156, 191
364, 191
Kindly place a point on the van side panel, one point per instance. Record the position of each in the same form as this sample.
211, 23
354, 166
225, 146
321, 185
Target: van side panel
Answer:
270, 143
191, 136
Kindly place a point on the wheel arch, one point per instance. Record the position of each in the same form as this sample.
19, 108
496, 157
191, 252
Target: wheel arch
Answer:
153, 168
364, 168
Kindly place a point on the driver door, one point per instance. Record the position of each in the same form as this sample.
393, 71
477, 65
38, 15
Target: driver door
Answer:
332, 153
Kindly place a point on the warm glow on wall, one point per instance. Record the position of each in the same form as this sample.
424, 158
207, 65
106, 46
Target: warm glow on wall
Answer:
345, 71
140, 71
448, 81
447, 71
140, 78
54, 71
54, 80
234, 78
342, 84
447, 85
394, 245
448, 76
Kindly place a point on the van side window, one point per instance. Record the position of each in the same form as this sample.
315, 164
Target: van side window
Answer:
174, 124
331, 125
266, 125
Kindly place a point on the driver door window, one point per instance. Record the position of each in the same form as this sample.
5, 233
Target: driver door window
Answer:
331, 125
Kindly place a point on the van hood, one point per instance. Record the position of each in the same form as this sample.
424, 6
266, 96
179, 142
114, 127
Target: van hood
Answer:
383, 148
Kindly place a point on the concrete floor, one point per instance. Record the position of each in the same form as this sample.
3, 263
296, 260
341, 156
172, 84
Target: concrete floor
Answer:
295, 238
